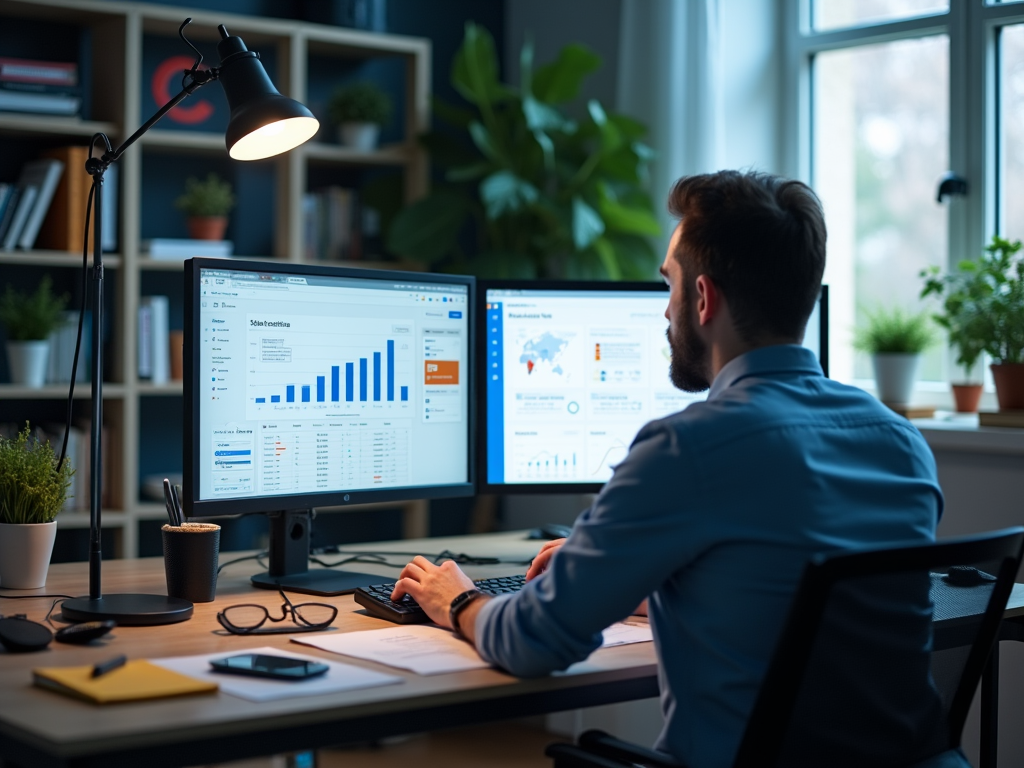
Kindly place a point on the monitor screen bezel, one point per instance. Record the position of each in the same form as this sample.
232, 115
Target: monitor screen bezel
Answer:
262, 504
654, 286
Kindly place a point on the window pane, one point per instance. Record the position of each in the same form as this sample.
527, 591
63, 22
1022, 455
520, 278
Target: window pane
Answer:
881, 116
836, 14
1011, 172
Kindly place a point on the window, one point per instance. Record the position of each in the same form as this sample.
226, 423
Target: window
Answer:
889, 95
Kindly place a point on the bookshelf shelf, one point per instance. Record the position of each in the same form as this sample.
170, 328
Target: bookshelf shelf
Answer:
119, 84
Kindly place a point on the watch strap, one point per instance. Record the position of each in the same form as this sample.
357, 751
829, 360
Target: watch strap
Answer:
459, 605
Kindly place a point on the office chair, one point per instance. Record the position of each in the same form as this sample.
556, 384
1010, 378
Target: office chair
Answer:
948, 596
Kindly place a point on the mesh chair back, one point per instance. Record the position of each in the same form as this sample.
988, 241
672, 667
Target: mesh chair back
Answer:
881, 653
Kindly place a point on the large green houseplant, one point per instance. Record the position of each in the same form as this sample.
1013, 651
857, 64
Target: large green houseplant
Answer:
983, 310
548, 196
33, 489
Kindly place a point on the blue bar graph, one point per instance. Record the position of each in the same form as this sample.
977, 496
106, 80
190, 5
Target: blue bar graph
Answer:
334, 383
362, 379
320, 382
391, 370
350, 376
376, 377
290, 393
261, 399
405, 394
275, 398
305, 393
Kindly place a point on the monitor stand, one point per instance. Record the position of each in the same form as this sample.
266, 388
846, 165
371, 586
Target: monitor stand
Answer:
289, 561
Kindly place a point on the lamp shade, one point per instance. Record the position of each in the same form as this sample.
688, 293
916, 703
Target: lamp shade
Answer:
263, 123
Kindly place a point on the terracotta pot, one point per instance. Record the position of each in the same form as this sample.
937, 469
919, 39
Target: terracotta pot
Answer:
207, 227
1009, 379
967, 397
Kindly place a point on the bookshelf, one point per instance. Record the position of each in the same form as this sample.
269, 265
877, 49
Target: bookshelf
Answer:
303, 60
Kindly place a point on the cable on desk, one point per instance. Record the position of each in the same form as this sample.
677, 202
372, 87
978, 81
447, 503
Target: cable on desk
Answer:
258, 557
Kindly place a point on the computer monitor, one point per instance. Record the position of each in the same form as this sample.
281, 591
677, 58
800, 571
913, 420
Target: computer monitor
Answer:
570, 372
321, 386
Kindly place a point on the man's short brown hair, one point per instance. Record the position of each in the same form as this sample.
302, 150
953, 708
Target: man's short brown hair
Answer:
761, 240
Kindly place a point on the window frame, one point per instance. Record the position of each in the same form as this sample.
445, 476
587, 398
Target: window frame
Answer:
975, 143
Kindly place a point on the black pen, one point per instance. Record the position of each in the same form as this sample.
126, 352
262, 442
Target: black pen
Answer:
177, 504
169, 504
109, 665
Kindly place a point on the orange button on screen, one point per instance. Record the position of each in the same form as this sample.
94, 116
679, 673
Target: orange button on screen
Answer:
441, 372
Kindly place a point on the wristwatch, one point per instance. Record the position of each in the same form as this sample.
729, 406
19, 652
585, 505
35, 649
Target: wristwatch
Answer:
458, 605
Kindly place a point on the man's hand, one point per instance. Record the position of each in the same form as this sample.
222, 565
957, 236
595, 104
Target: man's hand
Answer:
433, 587
540, 562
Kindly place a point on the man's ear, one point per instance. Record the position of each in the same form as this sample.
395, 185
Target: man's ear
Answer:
709, 300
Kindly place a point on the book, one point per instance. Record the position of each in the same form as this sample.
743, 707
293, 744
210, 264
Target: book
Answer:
33, 71
181, 248
1001, 418
43, 103
62, 349
63, 229
912, 411
44, 175
25, 203
10, 206
154, 339
6, 190
14, 85
135, 681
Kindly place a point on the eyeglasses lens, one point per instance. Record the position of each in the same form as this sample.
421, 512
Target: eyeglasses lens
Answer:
315, 613
245, 616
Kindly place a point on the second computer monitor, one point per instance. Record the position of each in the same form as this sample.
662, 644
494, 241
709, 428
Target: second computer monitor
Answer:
570, 373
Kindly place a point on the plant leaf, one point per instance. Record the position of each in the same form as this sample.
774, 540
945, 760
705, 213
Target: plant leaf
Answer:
484, 142
622, 218
606, 253
587, 226
504, 192
560, 80
475, 68
429, 228
611, 137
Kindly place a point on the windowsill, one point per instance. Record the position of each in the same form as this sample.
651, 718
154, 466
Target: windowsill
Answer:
960, 432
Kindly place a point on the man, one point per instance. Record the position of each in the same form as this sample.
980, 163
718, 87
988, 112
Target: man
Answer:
716, 509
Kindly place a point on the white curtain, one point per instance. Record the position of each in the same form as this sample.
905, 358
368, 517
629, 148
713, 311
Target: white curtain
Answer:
669, 77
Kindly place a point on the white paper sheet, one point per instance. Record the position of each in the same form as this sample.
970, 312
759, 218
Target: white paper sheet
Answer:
626, 632
431, 650
340, 677
425, 650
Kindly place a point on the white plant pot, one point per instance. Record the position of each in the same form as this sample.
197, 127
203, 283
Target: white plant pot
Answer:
27, 360
25, 551
361, 136
894, 377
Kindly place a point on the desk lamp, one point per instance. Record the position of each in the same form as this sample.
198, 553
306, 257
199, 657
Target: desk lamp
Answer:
263, 123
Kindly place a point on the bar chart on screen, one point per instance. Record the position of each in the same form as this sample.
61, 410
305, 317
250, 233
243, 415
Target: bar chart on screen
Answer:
304, 365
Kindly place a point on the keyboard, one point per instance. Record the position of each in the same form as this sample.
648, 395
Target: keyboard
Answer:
377, 600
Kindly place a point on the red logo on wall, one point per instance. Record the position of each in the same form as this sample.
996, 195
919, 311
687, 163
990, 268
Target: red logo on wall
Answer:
172, 69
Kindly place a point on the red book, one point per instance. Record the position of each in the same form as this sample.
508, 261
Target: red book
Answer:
30, 71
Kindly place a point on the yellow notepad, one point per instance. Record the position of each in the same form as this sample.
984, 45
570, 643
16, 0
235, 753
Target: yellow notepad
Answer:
135, 681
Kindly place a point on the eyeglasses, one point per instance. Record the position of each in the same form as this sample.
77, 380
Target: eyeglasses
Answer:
248, 618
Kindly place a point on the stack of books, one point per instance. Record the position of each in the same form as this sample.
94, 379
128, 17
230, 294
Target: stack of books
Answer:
154, 339
42, 87
332, 225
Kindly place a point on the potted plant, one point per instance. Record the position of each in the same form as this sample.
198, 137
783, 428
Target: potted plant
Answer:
33, 490
206, 203
983, 302
29, 320
359, 110
895, 340
528, 190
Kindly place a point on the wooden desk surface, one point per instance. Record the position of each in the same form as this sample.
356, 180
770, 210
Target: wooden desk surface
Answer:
42, 728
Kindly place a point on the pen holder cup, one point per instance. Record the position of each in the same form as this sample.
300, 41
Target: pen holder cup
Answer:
190, 560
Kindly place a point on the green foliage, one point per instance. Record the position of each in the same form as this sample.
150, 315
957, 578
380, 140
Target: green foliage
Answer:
31, 317
894, 332
360, 103
545, 195
983, 303
210, 197
32, 489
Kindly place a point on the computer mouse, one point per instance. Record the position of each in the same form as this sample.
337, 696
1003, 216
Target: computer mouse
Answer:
550, 531
19, 635
967, 576
85, 632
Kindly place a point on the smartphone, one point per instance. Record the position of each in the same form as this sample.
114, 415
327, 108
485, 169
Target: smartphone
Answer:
262, 665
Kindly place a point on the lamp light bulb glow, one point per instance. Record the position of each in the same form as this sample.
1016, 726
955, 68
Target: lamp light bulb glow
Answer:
274, 138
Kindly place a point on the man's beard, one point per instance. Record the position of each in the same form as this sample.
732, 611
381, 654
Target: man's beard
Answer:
688, 369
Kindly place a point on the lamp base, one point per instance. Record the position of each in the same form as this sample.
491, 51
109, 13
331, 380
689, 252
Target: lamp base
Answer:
128, 610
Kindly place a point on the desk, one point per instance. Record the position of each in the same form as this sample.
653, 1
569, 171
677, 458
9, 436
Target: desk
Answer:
40, 728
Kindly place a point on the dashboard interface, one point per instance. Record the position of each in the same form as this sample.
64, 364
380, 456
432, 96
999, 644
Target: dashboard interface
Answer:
319, 384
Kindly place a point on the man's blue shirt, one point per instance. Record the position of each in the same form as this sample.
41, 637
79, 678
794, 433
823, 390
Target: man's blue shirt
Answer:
712, 516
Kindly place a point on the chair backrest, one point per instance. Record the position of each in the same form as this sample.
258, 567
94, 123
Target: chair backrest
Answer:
851, 683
